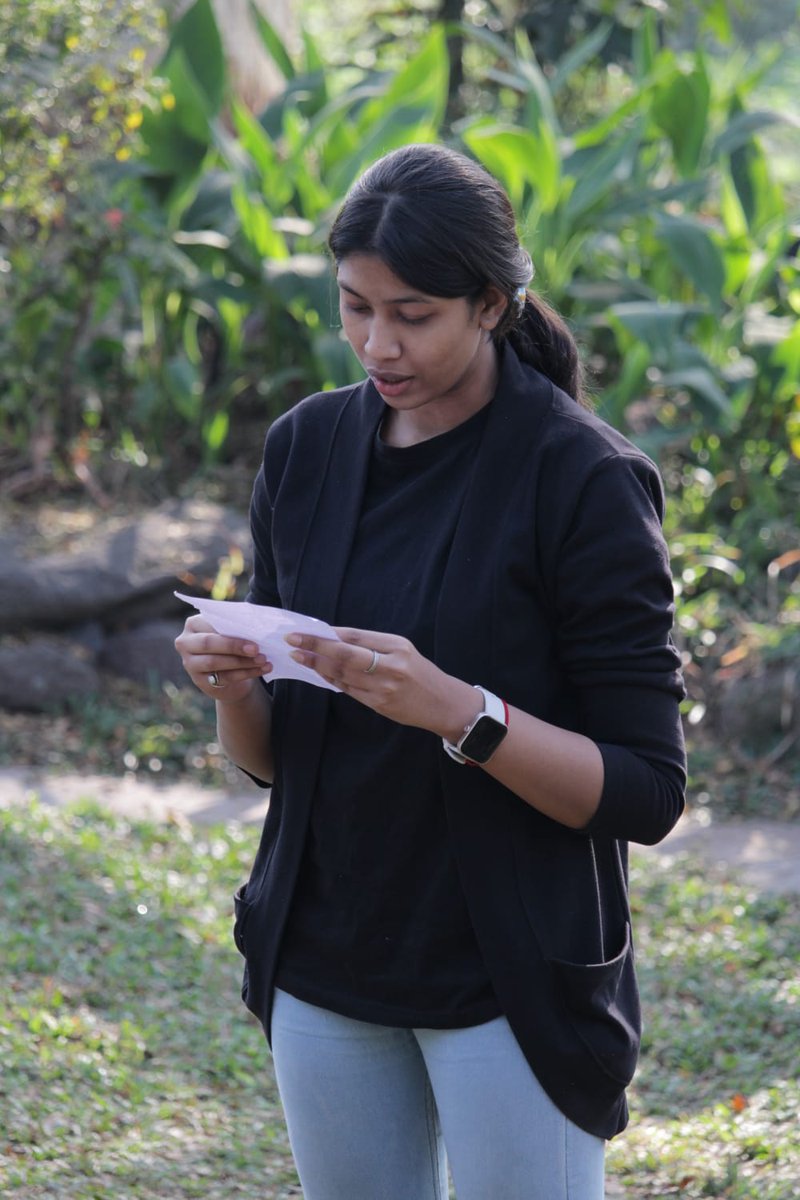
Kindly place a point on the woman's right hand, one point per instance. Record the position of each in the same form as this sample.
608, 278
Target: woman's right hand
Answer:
206, 655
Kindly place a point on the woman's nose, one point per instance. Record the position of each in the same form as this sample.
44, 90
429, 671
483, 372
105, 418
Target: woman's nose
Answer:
381, 340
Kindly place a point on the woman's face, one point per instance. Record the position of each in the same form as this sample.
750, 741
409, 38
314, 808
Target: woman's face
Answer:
432, 359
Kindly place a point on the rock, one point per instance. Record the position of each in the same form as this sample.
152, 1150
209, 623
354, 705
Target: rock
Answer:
759, 708
40, 675
123, 572
146, 653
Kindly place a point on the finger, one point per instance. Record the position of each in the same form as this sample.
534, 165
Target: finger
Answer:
209, 642
197, 624
337, 662
205, 679
313, 644
225, 664
329, 657
384, 643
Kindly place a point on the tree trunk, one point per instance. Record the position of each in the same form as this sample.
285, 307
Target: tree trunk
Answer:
452, 11
254, 77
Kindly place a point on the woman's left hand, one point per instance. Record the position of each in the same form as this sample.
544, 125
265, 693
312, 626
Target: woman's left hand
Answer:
389, 675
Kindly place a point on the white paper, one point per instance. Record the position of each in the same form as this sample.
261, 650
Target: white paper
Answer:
267, 627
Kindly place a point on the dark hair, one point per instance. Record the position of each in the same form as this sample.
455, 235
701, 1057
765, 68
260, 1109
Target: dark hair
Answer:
444, 225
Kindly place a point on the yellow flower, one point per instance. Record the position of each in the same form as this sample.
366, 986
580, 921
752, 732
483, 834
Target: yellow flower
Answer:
72, 42
123, 154
168, 101
133, 120
138, 55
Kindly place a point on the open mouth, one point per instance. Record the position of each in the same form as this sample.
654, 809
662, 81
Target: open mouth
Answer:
391, 383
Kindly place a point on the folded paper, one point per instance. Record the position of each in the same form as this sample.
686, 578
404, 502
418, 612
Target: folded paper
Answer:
267, 627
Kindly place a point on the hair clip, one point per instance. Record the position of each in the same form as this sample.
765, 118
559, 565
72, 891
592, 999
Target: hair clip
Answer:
520, 296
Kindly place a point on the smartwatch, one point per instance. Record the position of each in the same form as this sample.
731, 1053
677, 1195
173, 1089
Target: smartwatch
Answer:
480, 739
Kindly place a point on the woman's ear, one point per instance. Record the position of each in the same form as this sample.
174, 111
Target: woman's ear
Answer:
492, 306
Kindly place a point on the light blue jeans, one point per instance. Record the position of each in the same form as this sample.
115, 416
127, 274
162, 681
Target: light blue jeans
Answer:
370, 1110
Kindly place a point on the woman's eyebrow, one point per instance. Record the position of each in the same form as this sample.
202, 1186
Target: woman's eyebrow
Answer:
395, 300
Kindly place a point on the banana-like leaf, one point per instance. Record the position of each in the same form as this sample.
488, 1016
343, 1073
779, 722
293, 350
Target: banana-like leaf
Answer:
272, 42
680, 108
695, 253
197, 38
520, 158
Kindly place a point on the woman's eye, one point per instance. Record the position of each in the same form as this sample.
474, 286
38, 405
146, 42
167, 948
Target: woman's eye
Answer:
415, 320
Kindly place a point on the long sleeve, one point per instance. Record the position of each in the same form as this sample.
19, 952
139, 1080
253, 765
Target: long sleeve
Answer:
615, 607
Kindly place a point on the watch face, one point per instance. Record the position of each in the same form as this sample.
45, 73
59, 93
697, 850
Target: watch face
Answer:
483, 739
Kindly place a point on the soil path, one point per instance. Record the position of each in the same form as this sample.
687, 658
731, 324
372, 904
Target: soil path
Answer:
764, 855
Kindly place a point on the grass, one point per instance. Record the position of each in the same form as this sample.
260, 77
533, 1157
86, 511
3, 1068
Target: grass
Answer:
714, 1106
130, 1068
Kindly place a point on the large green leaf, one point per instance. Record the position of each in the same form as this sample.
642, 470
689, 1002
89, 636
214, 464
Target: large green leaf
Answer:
272, 42
420, 85
169, 149
197, 37
760, 198
695, 253
519, 158
582, 53
519, 71
744, 124
704, 385
176, 131
276, 184
394, 128
645, 44
191, 110
680, 108
408, 108
257, 225
658, 325
599, 172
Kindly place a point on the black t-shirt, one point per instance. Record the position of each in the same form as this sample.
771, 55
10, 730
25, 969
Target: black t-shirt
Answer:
379, 928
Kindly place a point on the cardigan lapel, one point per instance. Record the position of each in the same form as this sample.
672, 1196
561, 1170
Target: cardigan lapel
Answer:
521, 402
337, 505
329, 527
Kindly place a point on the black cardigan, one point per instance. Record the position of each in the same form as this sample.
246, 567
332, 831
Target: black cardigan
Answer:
557, 596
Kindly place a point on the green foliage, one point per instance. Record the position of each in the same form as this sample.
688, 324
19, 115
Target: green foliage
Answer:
71, 90
712, 1110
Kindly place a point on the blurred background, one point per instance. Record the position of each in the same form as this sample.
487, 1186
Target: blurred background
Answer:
168, 175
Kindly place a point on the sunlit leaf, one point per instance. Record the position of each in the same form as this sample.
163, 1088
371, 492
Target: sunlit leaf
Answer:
695, 253
520, 158
272, 41
197, 39
680, 108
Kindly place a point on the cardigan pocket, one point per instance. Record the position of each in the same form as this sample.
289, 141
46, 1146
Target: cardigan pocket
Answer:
602, 1002
241, 911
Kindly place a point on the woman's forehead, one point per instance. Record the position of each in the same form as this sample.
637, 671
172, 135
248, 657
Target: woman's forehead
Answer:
368, 274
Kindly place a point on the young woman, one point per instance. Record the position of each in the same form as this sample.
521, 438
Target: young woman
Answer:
436, 928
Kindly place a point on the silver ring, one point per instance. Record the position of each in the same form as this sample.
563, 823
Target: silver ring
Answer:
370, 670
213, 679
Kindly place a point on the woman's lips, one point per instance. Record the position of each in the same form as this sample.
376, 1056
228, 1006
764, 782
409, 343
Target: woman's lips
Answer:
391, 384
